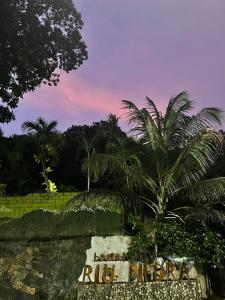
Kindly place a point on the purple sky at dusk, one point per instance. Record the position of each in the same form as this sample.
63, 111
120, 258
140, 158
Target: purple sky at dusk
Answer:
137, 48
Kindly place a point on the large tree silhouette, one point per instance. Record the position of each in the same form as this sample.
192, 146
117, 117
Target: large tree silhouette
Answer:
36, 38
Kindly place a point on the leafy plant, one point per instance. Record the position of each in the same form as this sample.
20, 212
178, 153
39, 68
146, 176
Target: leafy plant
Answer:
176, 239
192, 241
141, 248
51, 187
46, 134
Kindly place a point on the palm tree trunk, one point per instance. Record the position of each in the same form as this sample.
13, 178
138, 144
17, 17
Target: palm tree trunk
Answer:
45, 175
159, 215
88, 175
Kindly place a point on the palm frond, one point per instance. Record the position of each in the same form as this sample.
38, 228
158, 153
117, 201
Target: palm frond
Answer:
208, 190
196, 158
30, 127
134, 115
148, 202
125, 167
208, 117
40, 127
205, 214
151, 185
180, 103
154, 137
95, 200
155, 114
51, 126
175, 119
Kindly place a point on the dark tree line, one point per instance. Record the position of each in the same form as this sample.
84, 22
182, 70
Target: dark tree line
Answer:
21, 173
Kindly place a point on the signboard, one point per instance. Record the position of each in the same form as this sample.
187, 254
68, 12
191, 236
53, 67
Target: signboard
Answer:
106, 264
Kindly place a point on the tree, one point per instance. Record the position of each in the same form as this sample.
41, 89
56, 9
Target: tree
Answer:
70, 169
88, 146
178, 153
46, 134
17, 167
182, 150
37, 37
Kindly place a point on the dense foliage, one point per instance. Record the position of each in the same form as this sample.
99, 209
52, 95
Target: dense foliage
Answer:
22, 174
168, 168
37, 38
141, 248
191, 240
175, 239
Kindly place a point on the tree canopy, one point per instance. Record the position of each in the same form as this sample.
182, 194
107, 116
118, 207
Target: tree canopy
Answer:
170, 175
37, 39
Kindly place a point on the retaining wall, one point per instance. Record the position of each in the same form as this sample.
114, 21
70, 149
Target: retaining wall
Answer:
171, 290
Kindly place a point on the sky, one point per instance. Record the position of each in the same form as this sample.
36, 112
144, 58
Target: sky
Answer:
136, 48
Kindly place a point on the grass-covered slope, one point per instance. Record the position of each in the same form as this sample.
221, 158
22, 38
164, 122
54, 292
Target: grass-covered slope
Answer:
16, 207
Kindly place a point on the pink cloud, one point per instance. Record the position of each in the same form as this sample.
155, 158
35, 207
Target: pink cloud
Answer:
72, 96
83, 96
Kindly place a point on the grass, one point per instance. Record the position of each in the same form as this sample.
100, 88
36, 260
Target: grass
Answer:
16, 207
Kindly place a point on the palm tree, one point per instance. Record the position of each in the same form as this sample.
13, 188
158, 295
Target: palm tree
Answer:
179, 151
87, 144
42, 129
112, 119
182, 150
46, 136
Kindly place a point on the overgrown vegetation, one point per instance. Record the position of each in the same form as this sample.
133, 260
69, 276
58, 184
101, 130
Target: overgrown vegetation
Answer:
175, 239
168, 169
62, 152
141, 248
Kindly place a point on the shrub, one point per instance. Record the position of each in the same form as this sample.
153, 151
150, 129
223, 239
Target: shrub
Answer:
192, 241
141, 248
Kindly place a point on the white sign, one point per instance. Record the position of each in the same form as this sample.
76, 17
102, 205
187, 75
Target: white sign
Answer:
106, 263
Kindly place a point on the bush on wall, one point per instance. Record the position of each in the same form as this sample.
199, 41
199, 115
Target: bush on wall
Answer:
174, 239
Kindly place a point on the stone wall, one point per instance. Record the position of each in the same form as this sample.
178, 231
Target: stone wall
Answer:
48, 273
42, 254
171, 290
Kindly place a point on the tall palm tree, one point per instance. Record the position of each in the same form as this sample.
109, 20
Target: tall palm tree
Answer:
179, 151
182, 149
42, 129
87, 145
46, 133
